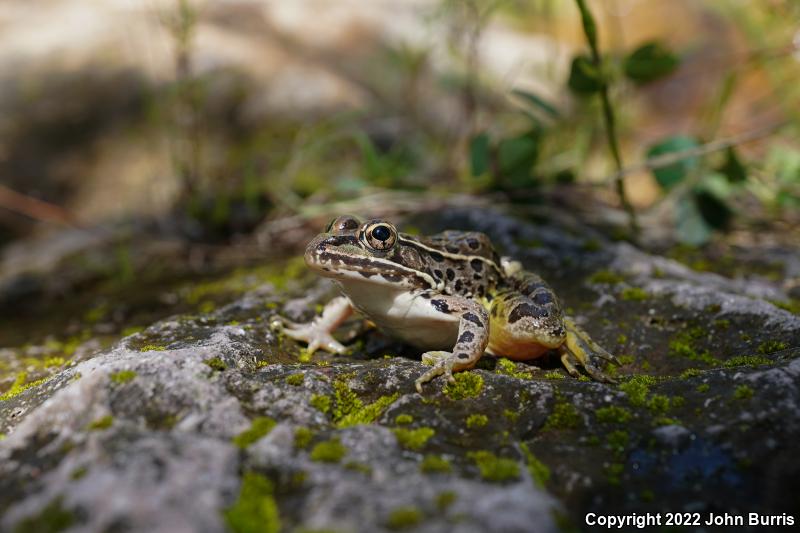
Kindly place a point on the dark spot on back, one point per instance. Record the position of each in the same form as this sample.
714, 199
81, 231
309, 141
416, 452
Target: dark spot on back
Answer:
451, 274
452, 249
436, 256
440, 305
459, 285
476, 264
467, 336
472, 317
476, 276
437, 273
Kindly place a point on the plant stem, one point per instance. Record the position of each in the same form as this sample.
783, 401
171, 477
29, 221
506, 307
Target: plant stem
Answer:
590, 30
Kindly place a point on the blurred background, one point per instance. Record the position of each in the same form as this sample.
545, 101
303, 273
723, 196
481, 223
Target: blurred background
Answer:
146, 139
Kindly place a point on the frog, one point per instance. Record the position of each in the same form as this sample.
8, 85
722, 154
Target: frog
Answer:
450, 295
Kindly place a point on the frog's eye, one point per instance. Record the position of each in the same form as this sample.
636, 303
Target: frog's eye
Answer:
342, 224
380, 236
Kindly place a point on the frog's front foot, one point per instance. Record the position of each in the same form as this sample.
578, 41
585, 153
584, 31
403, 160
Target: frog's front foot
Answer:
315, 335
580, 349
443, 364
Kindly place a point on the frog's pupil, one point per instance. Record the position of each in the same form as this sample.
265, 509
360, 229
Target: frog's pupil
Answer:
381, 233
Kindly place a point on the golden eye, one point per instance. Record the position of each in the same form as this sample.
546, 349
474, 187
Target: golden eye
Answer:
380, 236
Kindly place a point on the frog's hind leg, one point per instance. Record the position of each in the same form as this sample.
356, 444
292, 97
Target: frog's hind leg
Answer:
473, 336
579, 348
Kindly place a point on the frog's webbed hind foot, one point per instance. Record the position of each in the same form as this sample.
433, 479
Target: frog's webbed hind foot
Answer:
580, 349
317, 333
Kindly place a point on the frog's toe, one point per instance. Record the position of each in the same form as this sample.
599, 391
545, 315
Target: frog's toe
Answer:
443, 363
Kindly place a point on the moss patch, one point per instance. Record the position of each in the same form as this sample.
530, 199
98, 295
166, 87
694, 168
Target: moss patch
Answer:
413, 439
403, 420
123, 376
537, 469
637, 389
403, 518
255, 511
260, 427
302, 438
509, 368
606, 276
746, 360
52, 518
329, 451
494, 468
101, 423
467, 385
613, 415
773, 346
215, 363
152, 348
19, 386
563, 416
743, 392
321, 403
477, 421
295, 380
445, 499
435, 464
684, 344
634, 294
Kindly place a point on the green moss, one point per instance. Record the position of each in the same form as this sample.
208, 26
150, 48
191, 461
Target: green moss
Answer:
658, 404
260, 427
445, 499
78, 473
793, 306
215, 363
703, 387
404, 518
101, 423
509, 368
554, 374
329, 451
634, 294
626, 359
302, 438
684, 344
690, 373
19, 386
413, 439
511, 416
772, 346
123, 376
295, 379
494, 468
255, 511
722, 323
132, 330
467, 385
537, 469
618, 441
435, 464
51, 519
613, 415
637, 389
606, 276
403, 420
622, 338
563, 416
367, 414
746, 360
743, 392
321, 403
152, 348
477, 421
346, 400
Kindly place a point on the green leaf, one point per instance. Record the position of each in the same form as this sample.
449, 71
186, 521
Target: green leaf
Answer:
516, 158
650, 62
673, 174
537, 102
690, 226
584, 76
479, 154
733, 168
714, 211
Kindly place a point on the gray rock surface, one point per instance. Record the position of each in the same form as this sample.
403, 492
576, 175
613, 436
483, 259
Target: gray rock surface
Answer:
160, 431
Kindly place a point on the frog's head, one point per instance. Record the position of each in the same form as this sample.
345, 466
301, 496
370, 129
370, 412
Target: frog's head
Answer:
369, 251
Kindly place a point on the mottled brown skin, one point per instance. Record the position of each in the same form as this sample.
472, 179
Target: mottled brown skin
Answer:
450, 294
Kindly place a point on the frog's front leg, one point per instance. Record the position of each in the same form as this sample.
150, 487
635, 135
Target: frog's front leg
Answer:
579, 348
317, 333
473, 336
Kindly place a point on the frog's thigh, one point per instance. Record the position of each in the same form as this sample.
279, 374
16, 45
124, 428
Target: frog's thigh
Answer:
524, 327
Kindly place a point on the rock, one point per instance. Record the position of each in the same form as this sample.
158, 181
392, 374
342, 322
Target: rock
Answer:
184, 425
